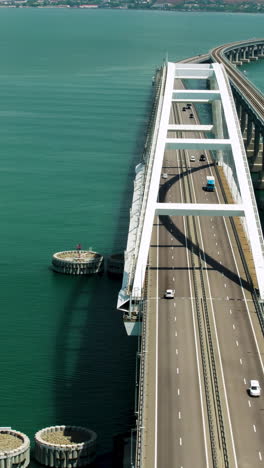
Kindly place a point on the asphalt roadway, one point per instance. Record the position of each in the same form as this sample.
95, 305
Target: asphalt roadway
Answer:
181, 431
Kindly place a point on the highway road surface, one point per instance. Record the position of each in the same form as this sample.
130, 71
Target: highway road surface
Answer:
208, 343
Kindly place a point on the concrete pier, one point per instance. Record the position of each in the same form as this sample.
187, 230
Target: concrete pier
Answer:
65, 446
14, 449
78, 262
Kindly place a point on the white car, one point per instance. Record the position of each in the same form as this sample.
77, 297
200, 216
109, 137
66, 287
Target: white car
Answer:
169, 293
254, 388
192, 158
164, 175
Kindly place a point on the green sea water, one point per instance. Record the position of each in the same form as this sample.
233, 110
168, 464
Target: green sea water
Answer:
75, 92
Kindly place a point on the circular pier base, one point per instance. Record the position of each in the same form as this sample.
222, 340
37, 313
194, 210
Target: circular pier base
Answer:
14, 449
78, 262
65, 446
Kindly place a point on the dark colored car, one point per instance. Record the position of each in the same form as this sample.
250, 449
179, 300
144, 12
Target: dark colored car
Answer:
202, 157
184, 109
191, 116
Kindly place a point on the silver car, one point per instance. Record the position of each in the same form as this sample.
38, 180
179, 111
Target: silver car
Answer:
169, 293
254, 388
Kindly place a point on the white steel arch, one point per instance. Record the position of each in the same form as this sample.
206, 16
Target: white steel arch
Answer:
243, 194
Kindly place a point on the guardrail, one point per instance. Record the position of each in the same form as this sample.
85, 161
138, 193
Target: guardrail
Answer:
148, 157
141, 385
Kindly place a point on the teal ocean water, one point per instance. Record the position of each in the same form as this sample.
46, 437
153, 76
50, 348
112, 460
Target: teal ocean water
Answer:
75, 89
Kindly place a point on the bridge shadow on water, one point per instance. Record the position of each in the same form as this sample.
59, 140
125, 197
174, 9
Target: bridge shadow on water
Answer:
180, 236
94, 363
94, 359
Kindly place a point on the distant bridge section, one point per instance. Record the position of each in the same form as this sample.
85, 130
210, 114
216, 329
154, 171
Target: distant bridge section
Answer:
249, 100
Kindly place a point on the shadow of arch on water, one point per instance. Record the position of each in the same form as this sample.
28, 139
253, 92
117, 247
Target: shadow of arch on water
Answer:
94, 360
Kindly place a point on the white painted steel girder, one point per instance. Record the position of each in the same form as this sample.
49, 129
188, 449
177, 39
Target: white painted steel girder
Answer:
197, 143
189, 70
199, 209
155, 179
255, 236
204, 101
196, 94
191, 128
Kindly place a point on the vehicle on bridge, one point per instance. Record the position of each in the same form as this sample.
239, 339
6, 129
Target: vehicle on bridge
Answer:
210, 185
202, 157
254, 388
192, 158
169, 294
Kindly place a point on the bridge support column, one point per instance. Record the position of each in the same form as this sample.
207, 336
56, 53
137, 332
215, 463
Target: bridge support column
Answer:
249, 131
218, 126
243, 120
256, 141
260, 183
238, 107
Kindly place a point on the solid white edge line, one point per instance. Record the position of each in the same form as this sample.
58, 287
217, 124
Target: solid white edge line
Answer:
217, 341
157, 336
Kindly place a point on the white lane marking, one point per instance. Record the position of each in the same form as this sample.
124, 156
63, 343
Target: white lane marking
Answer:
220, 262
230, 311
234, 327
217, 341
260, 456
249, 403
225, 285
243, 292
218, 253
213, 226
172, 257
237, 343
179, 415
227, 298
245, 382
177, 371
173, 279
174, 304
176, 351
216, 243
195, 340
180, 441
175, 319
179, 392
241, 362
171, 238
156, 358
214, 234
211, 219
254, 427
176, 334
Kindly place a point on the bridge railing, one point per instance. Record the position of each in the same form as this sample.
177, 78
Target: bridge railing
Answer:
247, 171
242, 75
148, 156
141, 388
